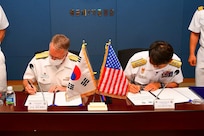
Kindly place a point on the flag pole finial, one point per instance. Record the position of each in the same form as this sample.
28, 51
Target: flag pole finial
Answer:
108, 43
109, 40
84, 43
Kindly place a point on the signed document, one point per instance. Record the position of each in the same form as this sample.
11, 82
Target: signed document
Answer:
39, 97
179, 95
55, 99
60, 100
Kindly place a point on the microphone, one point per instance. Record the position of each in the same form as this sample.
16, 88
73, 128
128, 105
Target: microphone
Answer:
32, 68
176, 72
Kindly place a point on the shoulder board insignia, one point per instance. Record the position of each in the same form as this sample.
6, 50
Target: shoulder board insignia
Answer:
200, 8
138, 63
73, 57
42, 55
176, 63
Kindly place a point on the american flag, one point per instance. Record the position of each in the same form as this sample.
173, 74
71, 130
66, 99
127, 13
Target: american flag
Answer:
112, 81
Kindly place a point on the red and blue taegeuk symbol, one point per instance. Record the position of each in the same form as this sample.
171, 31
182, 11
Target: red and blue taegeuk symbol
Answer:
76, 74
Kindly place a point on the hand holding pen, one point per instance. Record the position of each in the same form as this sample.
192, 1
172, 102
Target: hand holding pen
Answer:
30, 88
134, 88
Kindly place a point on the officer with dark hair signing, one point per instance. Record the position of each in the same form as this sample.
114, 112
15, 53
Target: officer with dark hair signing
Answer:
154, 69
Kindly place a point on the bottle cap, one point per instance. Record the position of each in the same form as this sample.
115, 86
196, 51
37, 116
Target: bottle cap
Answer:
10, 88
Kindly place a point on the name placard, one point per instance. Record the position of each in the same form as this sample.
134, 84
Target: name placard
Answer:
97, 106
37, 105
164, 104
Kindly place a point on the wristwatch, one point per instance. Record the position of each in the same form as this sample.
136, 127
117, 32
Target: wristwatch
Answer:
162, 85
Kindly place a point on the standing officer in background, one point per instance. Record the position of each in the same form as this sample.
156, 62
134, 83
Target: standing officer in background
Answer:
154, 69
197, 31
3, 25
51, 69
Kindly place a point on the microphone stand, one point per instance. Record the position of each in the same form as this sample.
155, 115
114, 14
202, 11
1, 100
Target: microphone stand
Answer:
175, 73
165, 103
31, 67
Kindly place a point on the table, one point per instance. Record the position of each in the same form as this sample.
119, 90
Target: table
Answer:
121, 118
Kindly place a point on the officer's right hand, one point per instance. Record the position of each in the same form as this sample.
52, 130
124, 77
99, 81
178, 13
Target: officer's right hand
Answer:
134, 88
192, 60
30, 89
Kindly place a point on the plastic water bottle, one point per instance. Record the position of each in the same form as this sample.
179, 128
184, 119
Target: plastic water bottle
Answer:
2, 98
10, 96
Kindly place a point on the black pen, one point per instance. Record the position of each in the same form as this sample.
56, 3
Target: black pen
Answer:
30, 83
153, 94
141, 88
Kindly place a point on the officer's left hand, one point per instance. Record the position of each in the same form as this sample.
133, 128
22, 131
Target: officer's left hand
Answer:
152, 86
57, 88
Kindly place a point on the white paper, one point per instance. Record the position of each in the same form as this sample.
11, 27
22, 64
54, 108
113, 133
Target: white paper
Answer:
179, 95
188, 93
142, 98
60, 100
39, 97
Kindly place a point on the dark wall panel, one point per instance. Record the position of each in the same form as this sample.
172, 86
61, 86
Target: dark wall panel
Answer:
28, 32
94, 29
135, 23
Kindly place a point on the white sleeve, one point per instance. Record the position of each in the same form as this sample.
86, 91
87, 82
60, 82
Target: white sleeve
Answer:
3, 20
29, 74
195, 25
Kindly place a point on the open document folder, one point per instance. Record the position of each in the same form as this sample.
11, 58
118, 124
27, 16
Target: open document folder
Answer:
179, 95
57, 99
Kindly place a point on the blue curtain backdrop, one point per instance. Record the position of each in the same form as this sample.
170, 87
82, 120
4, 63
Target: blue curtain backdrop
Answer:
134, 23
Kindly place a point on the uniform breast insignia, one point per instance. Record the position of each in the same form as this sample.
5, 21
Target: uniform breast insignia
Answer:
74, 57
176, 63
167, 74
138, 62
42, 55
200, 8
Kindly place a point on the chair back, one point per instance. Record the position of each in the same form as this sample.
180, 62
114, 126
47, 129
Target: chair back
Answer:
125, 54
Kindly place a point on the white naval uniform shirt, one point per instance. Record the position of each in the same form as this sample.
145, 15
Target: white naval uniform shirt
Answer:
47, 74
197, 25
3, 79
3, 19
146, 73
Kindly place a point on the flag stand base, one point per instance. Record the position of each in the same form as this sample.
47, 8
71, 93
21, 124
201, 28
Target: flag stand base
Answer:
95, 106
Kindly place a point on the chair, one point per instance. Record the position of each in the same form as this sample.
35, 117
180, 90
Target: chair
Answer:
125, 54
74, 52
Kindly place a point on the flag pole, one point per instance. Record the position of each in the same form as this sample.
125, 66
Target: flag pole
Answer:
86, 57
106, 99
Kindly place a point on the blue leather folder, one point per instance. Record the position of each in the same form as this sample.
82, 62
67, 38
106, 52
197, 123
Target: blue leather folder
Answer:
198, 90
